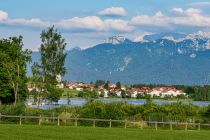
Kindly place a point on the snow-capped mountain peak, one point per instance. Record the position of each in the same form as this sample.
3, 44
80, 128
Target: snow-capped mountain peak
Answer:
115, 40
199, 34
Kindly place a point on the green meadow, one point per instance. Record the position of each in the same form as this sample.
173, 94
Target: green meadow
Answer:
33, 132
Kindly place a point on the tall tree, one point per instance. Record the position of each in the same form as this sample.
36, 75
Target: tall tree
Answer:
52, 54
52, 62
13, 63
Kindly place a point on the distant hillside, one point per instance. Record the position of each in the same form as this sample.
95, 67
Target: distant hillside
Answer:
170, 58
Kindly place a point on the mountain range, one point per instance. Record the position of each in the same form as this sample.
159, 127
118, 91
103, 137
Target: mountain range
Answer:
165, 58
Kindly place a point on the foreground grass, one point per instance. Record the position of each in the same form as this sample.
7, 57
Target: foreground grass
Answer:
32, 132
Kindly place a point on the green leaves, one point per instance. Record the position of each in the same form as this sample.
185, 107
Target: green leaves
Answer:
13, 61
53, 56
53, 52
53, 93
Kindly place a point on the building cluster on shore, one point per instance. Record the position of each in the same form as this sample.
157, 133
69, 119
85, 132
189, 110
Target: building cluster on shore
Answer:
162, 91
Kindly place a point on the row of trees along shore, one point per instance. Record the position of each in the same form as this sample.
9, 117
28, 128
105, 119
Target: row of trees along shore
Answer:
13, 63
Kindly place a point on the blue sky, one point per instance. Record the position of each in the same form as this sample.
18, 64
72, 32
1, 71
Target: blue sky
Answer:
85, 23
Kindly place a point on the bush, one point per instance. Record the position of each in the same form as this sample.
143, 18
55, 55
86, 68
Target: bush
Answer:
137, 124
17, 109
65, 116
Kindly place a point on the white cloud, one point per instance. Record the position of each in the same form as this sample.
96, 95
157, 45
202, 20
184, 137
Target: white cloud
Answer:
193, 11
3, 15
95, 23
80, 24
192, 17
113, 11
157, 20
181, 17
118, 25
89, 23
4, 19
178, 10
28, 22
188, 11
200, 4
188, 17
159, 14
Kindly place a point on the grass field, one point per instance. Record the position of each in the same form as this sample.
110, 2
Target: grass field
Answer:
32, 132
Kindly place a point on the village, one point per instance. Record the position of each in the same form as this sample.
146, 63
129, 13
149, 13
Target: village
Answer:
112, 89
108, 89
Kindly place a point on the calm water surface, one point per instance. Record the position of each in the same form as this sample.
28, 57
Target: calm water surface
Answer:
81, 101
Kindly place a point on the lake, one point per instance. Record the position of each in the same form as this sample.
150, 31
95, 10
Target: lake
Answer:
81, 101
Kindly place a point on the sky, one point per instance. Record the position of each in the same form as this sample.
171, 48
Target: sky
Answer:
84, 23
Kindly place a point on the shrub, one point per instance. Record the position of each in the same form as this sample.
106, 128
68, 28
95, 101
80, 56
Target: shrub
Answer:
137, 124
17, 109
65, 116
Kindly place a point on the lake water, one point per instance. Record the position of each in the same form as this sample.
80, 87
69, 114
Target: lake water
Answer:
81, 101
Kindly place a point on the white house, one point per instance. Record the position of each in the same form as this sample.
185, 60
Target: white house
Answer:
79, 89
134, 94
118, 93
166, 91
106, 92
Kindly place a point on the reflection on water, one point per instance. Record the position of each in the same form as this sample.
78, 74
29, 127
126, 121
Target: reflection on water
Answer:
81, 101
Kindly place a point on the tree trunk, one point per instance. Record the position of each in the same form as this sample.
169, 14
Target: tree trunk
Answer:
17, 84
16, 92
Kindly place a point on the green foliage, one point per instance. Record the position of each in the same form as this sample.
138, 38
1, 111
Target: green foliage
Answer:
99, 83
102, 94
52, 63
148, 99
197, 93
128, 94
123, 94
88, 94
65, 115
106, 86
17, 109
34, 93
137, 125
13, 61
112, 94
119, 111
140, 96
53, 93
208, 112
118, 85
52, 53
